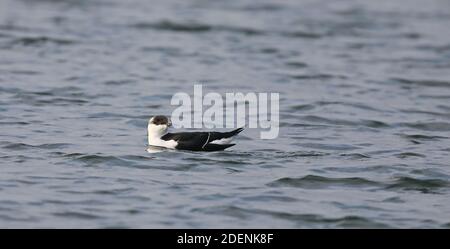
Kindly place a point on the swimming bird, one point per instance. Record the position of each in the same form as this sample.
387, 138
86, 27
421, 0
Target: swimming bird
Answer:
196, 141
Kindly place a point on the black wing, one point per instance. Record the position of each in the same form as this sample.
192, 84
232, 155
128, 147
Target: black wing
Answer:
188, 140
200, 141
220, 135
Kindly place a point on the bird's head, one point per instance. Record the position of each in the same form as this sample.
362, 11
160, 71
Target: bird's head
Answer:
158, 125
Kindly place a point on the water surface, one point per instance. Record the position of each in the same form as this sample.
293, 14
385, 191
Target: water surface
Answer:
365, 113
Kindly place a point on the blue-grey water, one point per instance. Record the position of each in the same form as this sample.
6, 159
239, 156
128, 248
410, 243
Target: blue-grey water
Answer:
364, 113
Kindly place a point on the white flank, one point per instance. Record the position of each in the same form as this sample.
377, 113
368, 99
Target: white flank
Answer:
222, 141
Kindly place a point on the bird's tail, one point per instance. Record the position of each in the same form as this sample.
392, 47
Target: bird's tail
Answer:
235, 132
223, 137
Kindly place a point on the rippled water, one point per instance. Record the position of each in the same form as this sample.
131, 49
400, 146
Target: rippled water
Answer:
365, 113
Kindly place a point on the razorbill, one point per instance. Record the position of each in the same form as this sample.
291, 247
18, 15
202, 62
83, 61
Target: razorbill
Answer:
196, 141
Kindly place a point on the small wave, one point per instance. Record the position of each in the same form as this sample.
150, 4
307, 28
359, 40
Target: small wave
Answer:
216, 161
117, 115
350, 104
63, 96
310, 106
194, 27
335, 121
163, 49
24, 146
69, 91
298, 219
319, 119
115, 191
428, 126
40, 40
430, 96
394, 199
225, 154
302, 34
415, 111
269, 50
21, 72
264, 7
436, 48
425, 82
355, 155
98, 159
422, 137
14, 123
333, 147
77, 215
118, 82
304, 107
9, 89
16, 218
288, 124
61, 101
29, 100
174, 26
317, 76
422, 185
374, 124
353, 221
122, 161
314, 181
240, 30
401, 183
409, 154
270, 198
295, 154
296, 64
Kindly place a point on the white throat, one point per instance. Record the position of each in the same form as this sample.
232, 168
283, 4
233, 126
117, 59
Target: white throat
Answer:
155, 132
